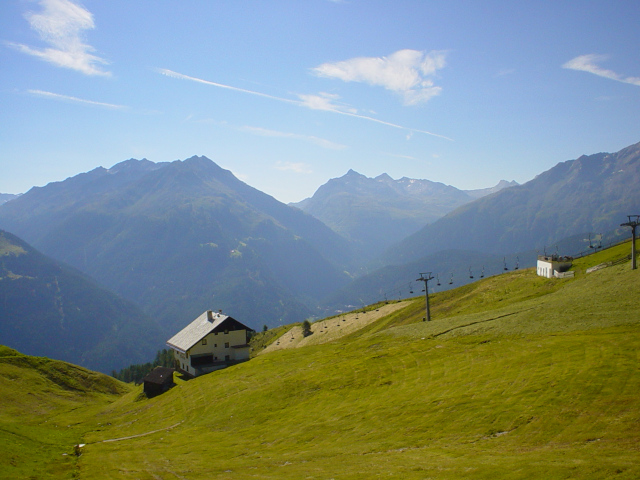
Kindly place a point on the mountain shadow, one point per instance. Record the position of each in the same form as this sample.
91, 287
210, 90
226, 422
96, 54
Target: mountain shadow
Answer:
50, 309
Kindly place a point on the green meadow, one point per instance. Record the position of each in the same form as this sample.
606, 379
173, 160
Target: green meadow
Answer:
46, 407
516, 377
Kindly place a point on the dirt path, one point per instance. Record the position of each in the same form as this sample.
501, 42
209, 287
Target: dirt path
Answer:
329, 330
140, 434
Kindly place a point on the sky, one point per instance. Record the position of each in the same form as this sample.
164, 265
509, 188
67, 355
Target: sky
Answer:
289, 94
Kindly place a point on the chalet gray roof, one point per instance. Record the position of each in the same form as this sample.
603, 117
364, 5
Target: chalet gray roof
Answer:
196, 330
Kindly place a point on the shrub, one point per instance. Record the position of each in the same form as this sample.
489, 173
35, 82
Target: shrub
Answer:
306, 328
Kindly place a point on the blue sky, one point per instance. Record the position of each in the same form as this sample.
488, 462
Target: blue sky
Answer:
288, 94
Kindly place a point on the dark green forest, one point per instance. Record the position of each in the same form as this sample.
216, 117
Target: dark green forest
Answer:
135, 373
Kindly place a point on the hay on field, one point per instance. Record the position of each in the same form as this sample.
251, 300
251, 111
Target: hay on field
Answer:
325, 331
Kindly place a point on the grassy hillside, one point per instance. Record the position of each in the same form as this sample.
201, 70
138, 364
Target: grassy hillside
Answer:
45, 407
516, 377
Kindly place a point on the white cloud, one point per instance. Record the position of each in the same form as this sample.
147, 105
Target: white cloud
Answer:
397, 155
505, 71
297, 167
325, 101
61, 24
589, 63
57, 96
405, 72
321, 142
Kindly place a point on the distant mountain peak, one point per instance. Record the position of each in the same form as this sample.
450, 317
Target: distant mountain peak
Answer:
353, 174
203, 162
5, 197
483, 192
375, 212
206, 169
134, 165
198, 159
384, 177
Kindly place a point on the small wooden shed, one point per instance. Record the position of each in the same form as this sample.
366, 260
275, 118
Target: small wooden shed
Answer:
158, 381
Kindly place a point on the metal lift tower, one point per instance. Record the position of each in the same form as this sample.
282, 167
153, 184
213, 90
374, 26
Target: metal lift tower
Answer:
426, 291
634, 221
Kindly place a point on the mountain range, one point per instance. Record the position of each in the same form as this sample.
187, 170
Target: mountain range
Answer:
181, 237
376, 213
5, 197
593, 193
51, 309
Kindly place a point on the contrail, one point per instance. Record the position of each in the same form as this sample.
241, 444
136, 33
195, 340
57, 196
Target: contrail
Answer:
391, 124
59, 96
170, 73
180, 76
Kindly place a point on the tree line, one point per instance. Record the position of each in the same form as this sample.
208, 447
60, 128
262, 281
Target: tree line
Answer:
135, 373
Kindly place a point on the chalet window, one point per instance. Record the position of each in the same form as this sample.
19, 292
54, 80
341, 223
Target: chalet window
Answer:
227, 358
226, 345
226, 332
215, 345
204, 341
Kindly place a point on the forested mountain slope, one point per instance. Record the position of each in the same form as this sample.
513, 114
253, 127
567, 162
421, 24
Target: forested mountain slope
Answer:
182, 237
50, 309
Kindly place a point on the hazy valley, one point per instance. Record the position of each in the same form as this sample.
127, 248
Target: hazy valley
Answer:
175, 239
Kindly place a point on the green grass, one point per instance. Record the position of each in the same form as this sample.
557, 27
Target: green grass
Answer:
45, 408
261, 340
517, 377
